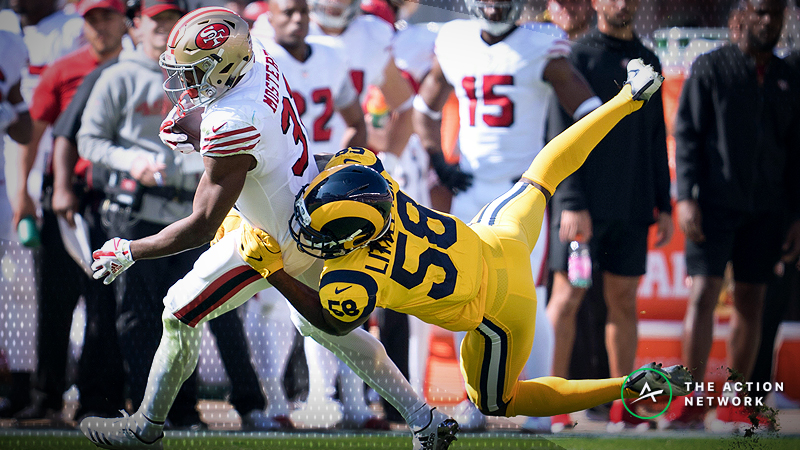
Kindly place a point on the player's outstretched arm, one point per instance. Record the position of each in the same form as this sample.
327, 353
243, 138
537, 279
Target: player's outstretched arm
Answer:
306, 301
263, 253
216, 194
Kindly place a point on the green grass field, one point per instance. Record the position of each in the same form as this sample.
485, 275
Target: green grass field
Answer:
67, 440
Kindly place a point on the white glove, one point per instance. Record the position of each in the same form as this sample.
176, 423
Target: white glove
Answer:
175, 141
112, 259
7, 115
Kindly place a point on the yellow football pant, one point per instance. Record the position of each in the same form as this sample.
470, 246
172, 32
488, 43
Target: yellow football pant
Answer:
493, 355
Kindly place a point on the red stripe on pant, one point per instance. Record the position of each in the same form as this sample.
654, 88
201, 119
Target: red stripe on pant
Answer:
214, 290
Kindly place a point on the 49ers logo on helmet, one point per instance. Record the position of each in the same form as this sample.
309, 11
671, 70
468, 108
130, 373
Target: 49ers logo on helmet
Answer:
212, 36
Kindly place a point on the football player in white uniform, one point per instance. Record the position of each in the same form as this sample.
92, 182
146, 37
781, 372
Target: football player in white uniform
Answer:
20, 307
503, 77
368, 41
328, 104
256, 157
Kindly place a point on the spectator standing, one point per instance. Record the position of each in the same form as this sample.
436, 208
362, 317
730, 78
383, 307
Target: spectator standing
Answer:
736, 135
15, 122
573, 17
610, 201
48, 34
60, 280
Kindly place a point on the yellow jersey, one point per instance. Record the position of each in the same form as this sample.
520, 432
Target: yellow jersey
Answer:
431, 265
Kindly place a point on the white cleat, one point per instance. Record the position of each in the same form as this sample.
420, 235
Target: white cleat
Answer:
675, 376
438, 435
117, 433
644, 80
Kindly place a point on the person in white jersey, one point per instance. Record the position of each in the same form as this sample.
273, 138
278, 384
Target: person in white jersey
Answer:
503, 76
328, 105
256, 157
15, 123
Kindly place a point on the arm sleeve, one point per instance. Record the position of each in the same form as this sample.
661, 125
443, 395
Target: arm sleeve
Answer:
99, 124
346, 94
381, 33
690, 129
348, 295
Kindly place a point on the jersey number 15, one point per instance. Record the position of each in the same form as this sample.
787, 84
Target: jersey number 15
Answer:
489, 97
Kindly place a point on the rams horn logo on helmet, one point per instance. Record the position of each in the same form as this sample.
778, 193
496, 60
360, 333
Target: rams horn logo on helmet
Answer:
212, 36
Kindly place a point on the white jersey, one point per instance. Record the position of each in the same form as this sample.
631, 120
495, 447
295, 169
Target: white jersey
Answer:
320, 86
13, 62
259, 118
368, 41
502, 97
53, 37
413, 49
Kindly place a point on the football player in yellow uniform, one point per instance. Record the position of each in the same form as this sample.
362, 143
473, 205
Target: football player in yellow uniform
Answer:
383, 249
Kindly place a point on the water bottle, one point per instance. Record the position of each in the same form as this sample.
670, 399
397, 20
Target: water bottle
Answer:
579, 265
28, 232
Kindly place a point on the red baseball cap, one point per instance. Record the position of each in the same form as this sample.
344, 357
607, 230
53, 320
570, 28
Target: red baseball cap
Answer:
87, 5
152, 8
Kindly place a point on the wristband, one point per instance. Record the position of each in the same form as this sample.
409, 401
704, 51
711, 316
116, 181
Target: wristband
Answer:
420, 105
588, 105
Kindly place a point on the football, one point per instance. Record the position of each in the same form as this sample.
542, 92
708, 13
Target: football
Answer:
190, 126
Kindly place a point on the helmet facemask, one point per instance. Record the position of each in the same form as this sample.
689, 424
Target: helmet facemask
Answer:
510, 13
206, 55
329, 222
334, 13
189, 85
